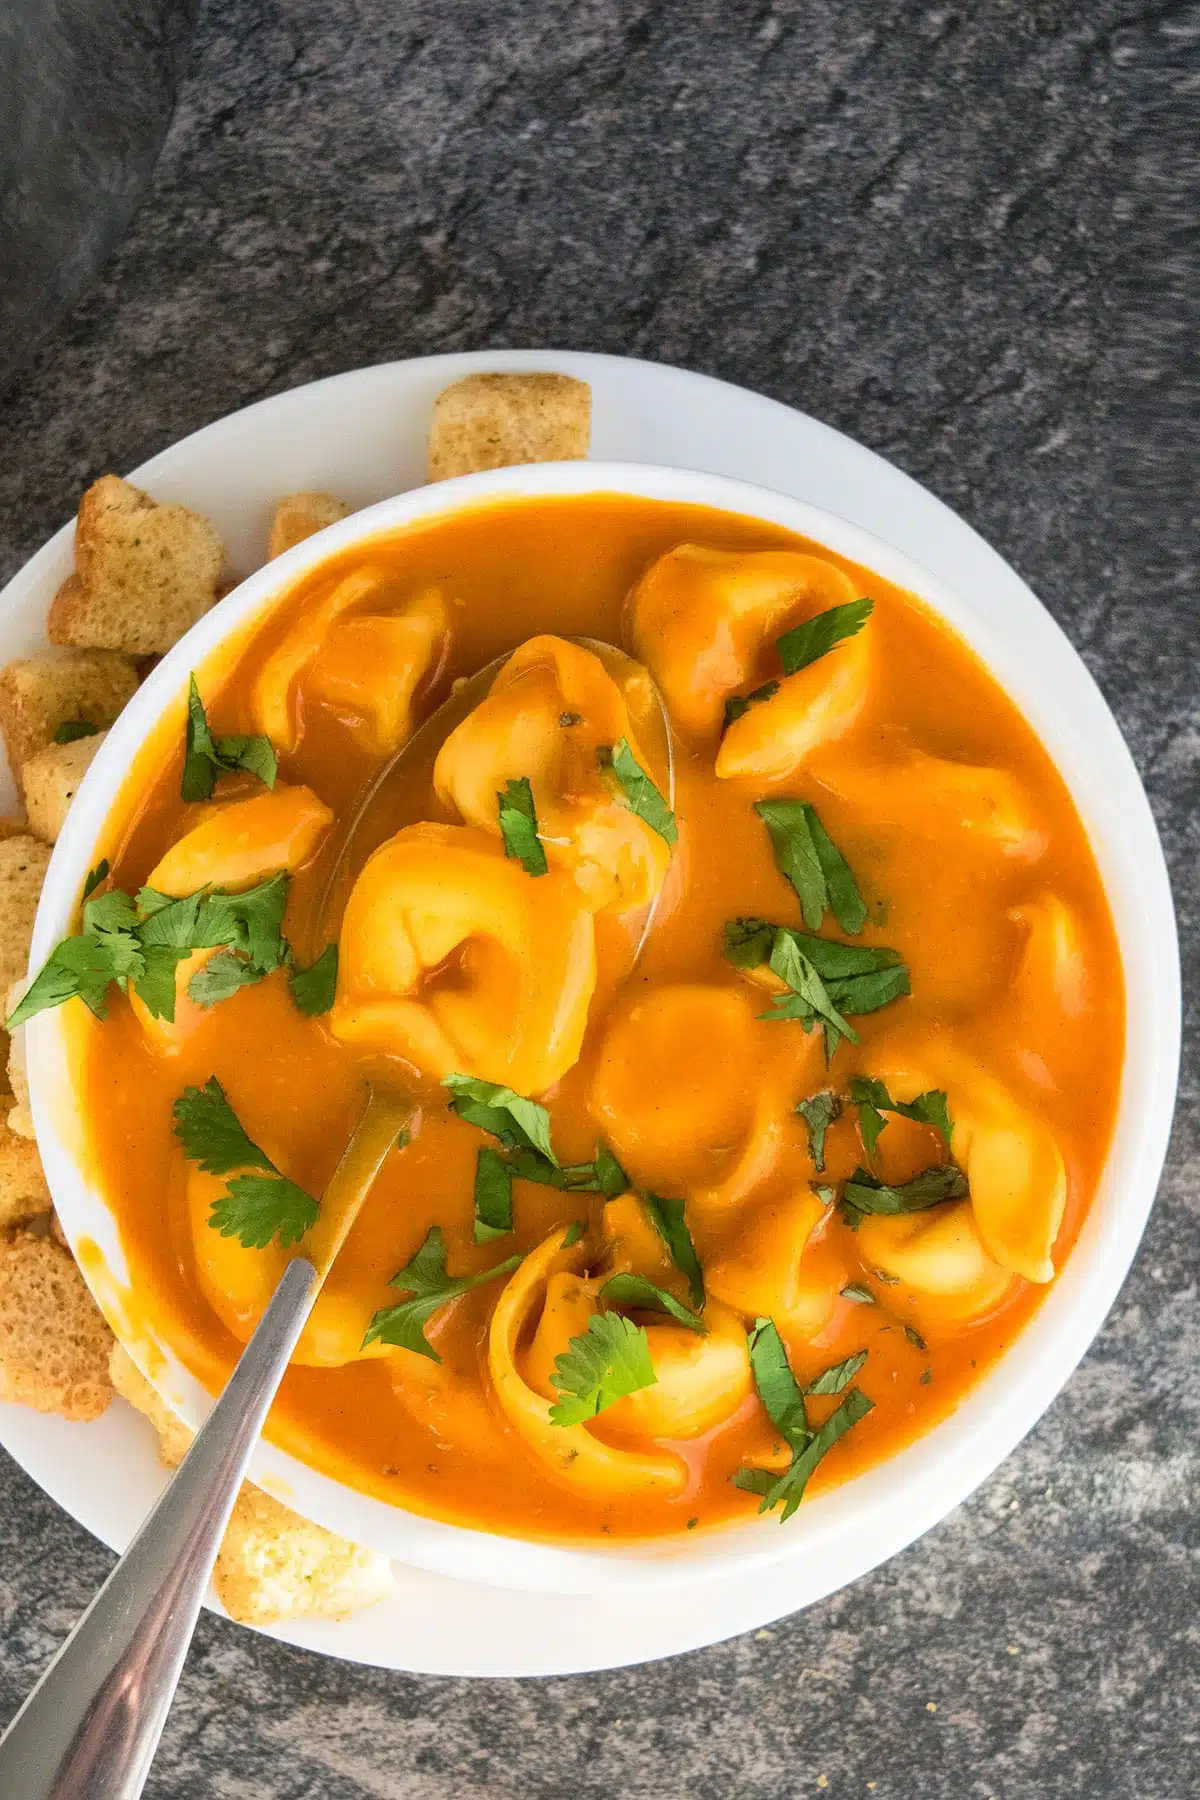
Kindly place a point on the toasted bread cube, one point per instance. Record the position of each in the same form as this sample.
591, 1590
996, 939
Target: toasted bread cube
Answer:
52, 778
20, 1119
275, 1565
144, 573
23, 1190
174, 1437
54, 1342
496, 421
299, 516
23, 864
67, 687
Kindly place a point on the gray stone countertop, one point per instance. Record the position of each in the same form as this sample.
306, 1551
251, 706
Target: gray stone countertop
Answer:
954, 232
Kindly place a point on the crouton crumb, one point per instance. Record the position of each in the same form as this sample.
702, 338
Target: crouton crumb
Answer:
54, 1342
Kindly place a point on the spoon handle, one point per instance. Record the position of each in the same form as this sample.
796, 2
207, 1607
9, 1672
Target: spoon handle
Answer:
89, 1729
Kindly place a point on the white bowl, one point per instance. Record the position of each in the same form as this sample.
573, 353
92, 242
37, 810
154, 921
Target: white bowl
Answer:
890, 1505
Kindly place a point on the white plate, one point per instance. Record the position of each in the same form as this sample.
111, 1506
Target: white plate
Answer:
362, 436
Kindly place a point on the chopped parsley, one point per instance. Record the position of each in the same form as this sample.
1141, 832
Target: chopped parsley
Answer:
819, 1112
523, 1129
783, 1398
71, 730
861, 1296
739, 704
313, 988
814, 865
864, 1194
140, 943
667, 1217
425, 1281
608, 1361
206, 757
808, 642
519, 826
826, 980
493, 1195
638, 791
258, 1208
873, 1100
639, 1291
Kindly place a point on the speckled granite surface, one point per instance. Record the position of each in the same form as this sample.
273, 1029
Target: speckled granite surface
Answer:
952, 232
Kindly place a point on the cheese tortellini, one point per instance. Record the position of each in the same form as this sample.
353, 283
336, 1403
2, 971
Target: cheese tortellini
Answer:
552, 710
768, 1270
552, 1275
232, 844
1012, 1161
453, 959
705, 622
361, 654
674, 1090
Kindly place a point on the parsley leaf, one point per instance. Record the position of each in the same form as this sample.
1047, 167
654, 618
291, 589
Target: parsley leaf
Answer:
221, 976
256, 1209
211, 1133
313, 988
819, 1112
835, 1380
605, 1363
813, 639
425, 1281
828, 980
864, 1194
519, 826
813, 864
783, 1399
862, 1296
493, 1196
639, 1291
667, 1218
510, 1117
639, 792
611, 1179
207, 757
739, 704
71, 730
873, 1100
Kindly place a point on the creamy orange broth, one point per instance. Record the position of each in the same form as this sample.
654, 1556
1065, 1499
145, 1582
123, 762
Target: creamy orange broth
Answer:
433, 1439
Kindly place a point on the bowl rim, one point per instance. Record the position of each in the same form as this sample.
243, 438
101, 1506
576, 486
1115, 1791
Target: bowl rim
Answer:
891, 1504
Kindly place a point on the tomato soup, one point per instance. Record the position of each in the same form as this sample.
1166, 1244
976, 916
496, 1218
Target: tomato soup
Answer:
762, 1076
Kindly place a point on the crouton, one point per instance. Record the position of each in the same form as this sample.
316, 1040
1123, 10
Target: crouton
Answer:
144, 573
51, 780
299, 516
23, 864
174, 1437
42, 694
54, 1342
494, 421
275, 1565
23, 1191
10, 827
20, 1119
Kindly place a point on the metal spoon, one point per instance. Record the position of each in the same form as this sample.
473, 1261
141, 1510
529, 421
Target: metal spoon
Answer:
90, 1728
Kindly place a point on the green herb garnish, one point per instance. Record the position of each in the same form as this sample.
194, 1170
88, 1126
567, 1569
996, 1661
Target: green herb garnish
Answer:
207, 757
819, 1112
502, 1113
425, 1281
313, 988
813, 639
667, 1217
812, 862
827, 980
739, 704
783, 1399
864, 1194
638, 791
519, 826
605, 1363
639, 1291
873, 1100
860, 1295
493, 1196
71, 730
258, 1208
